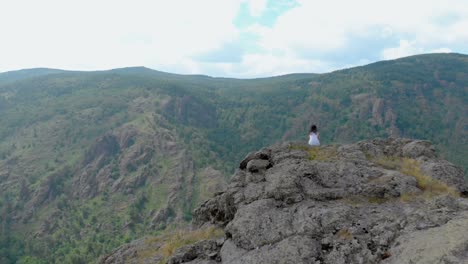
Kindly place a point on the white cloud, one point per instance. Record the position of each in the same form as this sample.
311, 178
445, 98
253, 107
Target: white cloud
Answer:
104, 34
314, 27
264, 65
406, 48
170, 35
259, 65
257, 7
441, 50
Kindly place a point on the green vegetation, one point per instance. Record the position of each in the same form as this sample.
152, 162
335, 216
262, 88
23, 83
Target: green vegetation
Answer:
50, 120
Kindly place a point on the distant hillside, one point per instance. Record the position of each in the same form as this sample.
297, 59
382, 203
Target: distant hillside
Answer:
11, 76
90, 160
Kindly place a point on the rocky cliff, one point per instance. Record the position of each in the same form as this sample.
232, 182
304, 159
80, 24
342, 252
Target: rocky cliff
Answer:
378, 201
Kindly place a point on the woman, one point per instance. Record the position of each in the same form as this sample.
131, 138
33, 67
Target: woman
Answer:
314, 136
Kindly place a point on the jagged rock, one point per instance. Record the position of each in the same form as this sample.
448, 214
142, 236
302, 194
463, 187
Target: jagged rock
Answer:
444, 244
96, 171
340, 206
295, 249
290, 203
206, 251
48, 188
139, 251
262, 155
219, 211
107, 145
418, 148
161, 218
211, 181
257, 165
446, 172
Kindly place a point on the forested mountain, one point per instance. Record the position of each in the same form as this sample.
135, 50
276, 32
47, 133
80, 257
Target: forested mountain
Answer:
90, 160
8, 77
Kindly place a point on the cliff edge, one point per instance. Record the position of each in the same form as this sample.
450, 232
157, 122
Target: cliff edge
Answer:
377, 201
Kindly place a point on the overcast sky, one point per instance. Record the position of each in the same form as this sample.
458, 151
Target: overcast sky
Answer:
236, 38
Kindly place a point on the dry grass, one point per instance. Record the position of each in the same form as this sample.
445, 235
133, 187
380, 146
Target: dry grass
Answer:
411, 167
299, 147
322, 153
154, 239
430, 187
181, 239
408, 197
344, 234
391, 163
325, 153
171, 242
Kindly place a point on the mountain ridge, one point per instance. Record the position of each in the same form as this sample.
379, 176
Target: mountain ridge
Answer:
42, 71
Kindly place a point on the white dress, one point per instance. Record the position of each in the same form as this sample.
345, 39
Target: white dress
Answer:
313, 140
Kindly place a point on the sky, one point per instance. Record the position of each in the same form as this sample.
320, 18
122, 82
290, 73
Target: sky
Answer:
226, 38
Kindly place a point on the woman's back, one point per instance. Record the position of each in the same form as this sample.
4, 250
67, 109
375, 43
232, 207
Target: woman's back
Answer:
314, 139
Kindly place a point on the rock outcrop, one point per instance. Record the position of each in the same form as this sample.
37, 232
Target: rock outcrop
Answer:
378, 201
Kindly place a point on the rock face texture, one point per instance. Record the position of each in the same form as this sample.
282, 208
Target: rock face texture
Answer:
355, 203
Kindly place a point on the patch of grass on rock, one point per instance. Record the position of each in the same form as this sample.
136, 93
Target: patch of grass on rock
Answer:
173, 241
322, 153
430, 186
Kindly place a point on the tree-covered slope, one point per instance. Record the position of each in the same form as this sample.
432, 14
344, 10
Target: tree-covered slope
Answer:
12, 76
89, 160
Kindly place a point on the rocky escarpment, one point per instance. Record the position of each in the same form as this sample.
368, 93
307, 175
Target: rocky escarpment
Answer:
378, 201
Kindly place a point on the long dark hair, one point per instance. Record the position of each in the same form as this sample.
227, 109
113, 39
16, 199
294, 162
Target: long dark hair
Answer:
313, 129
